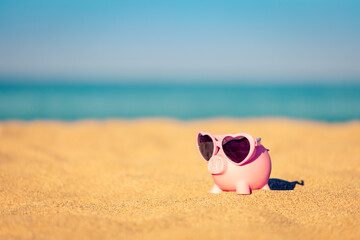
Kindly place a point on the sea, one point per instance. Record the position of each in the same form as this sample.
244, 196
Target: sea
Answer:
76, 101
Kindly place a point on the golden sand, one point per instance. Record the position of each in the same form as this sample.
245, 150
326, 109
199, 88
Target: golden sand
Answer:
144, 179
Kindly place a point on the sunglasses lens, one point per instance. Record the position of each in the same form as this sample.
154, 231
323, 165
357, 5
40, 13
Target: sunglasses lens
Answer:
237, 149
206, 146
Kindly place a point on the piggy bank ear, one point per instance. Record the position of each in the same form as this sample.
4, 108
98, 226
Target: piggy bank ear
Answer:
258, 142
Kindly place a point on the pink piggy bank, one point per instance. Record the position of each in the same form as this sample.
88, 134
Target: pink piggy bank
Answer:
237, 162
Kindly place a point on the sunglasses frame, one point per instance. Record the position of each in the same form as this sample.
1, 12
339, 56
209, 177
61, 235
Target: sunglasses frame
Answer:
221, 138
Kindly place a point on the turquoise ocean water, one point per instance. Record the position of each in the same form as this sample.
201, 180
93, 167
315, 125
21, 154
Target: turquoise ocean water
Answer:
182, 101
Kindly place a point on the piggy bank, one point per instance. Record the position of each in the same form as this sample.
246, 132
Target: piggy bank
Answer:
237, 162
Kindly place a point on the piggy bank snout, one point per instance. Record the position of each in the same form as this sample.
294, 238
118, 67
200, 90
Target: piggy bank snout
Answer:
217, 165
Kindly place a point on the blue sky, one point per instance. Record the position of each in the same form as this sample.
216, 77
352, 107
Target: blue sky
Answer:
181, 39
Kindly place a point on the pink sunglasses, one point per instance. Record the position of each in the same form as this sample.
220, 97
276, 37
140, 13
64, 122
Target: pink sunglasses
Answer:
238, 148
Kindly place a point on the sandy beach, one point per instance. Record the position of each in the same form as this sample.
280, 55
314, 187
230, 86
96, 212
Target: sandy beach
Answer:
144, 179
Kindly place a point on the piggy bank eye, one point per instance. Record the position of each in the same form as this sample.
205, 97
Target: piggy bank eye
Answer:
236, 149
206, 146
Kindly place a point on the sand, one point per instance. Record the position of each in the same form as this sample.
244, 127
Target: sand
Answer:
144, 179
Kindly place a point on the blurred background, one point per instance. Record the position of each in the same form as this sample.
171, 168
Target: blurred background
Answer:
72, 60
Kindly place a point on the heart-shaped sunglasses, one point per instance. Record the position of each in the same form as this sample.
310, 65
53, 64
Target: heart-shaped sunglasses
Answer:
238, 148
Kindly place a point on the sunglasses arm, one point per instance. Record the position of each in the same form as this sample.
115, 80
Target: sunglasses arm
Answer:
258, 142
